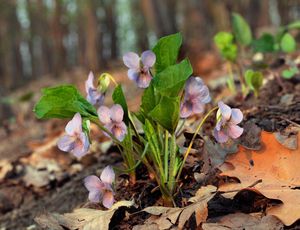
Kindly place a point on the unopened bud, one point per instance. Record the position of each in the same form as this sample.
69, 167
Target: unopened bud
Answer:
103, 82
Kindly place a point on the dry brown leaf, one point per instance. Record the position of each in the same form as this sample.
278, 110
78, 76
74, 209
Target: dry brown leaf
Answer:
277, 167
169, 216
82, 218
5, 168
241, 221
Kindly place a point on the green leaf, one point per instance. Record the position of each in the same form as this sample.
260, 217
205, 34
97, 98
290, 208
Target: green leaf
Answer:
288, 43
171, 81
63, 102
266, 43
166, 112
293, 25
224, 42
119, 98
149, 99
289, 73
166, 51
254, 80
241, 29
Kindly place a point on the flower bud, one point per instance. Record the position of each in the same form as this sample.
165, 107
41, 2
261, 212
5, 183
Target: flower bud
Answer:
103, 82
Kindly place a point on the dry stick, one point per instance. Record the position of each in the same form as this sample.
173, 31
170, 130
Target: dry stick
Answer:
250, 186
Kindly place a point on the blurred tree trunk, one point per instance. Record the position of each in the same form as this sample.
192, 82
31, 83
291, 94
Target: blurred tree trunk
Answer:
140, 25
160, 16
58, 32
112, 27
93, 41
10, 36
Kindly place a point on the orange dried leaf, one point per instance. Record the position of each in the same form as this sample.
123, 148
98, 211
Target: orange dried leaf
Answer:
277, 167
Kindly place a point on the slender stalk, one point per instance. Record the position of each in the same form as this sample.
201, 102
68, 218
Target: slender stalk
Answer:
192, 141
180, 127
166, 154
172, 167
230, 81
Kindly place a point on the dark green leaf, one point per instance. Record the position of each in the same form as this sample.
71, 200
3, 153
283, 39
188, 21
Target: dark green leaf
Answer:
241, 29
119, 98
266, 43
288, 43
171, 80
63, 102
149, 99
166, 51
166, 112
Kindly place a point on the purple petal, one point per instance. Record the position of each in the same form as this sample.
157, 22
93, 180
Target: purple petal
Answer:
119, 130
95, 196
108, 199
198, 106
82, 145
143, 81
235, 131
148, 58
236, 116
225, 110
204, 94
133, 74
104, 114
131, 60
108, 175
116, 113
193, 86
95, 97
220, 136
75, 125
186, 109
66, 143
89, 83
93, 183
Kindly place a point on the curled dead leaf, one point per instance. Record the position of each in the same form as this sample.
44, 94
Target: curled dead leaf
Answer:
278, 169
169, 217
82, 218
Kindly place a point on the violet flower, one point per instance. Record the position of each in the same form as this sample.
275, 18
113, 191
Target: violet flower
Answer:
101, 188
75, 141
139, 68
93, 95
112, 118
195, 97
227, 120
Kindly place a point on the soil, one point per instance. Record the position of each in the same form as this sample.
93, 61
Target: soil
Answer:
277, 107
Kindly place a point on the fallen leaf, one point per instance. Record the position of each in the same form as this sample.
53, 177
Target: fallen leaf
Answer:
251, 136
241, 221
82, 218
168, 217
278, 169
5, 168
288, 137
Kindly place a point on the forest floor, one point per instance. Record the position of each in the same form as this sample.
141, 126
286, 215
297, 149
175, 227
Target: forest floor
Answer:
36, 178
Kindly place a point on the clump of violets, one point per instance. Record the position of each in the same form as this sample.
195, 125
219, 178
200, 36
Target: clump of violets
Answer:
75, 141
195, 97
112, 118
227, 123
101, 188
139, 67
93, 95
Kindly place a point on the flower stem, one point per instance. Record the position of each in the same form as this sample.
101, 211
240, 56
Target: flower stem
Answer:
230, 81
166, 155
192, 141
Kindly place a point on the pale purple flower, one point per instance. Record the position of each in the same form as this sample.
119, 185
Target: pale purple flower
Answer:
93, 95
101, 188
112, 118
195, 97
139, 68
227, 120
75, 140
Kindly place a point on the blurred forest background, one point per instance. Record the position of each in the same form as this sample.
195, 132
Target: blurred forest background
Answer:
49, 37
